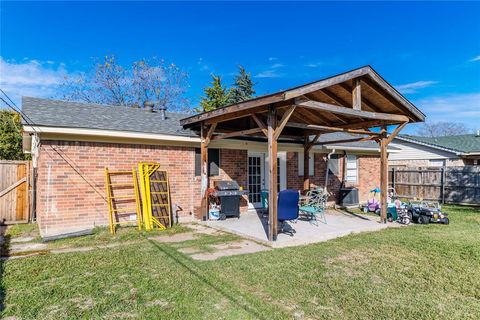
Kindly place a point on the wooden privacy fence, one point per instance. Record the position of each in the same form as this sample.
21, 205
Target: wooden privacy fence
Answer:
15, 182
457, 185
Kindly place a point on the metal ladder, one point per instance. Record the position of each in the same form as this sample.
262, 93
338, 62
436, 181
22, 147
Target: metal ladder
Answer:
116, 203
155, 191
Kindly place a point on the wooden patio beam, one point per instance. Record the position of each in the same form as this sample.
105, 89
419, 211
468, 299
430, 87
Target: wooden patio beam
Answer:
383, 179
329, 129
210, 132
286, 116
362, 124
272, 169
260, 124
326, 107
357, 94
365, 100
316, 117
237, 134
227, 112
203, 172
395, 132
345, 141
293, 93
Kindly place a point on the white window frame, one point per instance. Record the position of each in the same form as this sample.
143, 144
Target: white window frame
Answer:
351, 172
311, 158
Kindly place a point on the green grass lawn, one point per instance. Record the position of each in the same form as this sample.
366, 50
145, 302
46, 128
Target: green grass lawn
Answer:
418, 272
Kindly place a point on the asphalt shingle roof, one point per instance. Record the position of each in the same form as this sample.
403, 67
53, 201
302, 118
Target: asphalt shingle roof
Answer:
56, 113
461, 143
67, 114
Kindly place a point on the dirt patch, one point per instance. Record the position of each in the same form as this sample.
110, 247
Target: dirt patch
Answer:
17, 248
83, 303
190, 250
158, 303
22, 239
230, 249
197, 228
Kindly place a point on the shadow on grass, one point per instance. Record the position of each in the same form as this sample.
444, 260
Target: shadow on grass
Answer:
233, 297
350, 212
4, 249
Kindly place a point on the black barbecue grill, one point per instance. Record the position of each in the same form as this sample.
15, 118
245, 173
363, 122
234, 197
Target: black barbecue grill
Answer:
229, 194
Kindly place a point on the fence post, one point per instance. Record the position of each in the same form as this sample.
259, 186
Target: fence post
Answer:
393, 178
443, 184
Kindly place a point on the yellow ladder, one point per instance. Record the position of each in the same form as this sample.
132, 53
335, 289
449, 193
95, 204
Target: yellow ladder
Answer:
155, 191
116, 203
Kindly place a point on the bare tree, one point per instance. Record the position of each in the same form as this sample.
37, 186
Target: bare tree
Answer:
146, 80
442, 128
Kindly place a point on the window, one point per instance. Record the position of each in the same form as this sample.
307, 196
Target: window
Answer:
213, 159
437, 163
352, 168
334, 165
310, 164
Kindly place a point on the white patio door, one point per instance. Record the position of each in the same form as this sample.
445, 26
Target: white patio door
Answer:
258, 177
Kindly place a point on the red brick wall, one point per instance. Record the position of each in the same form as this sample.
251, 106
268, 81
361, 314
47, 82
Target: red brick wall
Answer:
70, 186
368, 174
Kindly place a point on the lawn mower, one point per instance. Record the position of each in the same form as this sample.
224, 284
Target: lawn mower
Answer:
424, 212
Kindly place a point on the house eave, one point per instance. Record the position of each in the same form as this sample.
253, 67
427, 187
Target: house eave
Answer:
455, 152
111, 136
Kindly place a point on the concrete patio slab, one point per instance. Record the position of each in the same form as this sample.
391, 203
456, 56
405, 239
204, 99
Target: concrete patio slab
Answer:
253, 225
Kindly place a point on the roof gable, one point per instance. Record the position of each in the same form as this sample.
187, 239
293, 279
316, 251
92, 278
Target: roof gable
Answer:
377, 96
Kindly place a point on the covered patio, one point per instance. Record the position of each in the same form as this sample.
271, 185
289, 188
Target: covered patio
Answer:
253, 225
354, 102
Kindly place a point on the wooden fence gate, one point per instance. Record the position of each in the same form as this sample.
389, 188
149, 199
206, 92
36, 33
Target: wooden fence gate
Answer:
15, 185
456, 185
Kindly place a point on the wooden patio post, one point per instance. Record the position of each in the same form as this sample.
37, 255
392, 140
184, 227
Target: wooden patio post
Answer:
204, 171
272, 169
383, 179
306, 167
384, 141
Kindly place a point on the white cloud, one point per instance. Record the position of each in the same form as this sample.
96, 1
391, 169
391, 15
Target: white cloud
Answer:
414, 86
313, 64
460, 107
277, 65
202, 65
269, 74
30, 78
477, 58
272, 58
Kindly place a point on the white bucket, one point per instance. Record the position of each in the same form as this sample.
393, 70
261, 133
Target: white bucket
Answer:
214, 214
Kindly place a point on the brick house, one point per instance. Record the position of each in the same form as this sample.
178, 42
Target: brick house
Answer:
72, 143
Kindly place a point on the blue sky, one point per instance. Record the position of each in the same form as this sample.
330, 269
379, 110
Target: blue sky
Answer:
429, 51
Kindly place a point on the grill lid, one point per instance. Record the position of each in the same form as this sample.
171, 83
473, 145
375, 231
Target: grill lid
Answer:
226, 185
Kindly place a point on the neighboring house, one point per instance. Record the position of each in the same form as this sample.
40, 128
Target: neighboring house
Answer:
72, 143
449, 151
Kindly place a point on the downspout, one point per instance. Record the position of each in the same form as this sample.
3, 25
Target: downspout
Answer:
327, 170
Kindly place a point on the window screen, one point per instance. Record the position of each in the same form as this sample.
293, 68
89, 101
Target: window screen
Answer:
352, 168
213, 159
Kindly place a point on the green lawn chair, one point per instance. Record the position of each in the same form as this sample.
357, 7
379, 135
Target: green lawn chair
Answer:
314, 206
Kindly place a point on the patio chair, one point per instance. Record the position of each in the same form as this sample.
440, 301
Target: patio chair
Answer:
315, 206
287, 209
